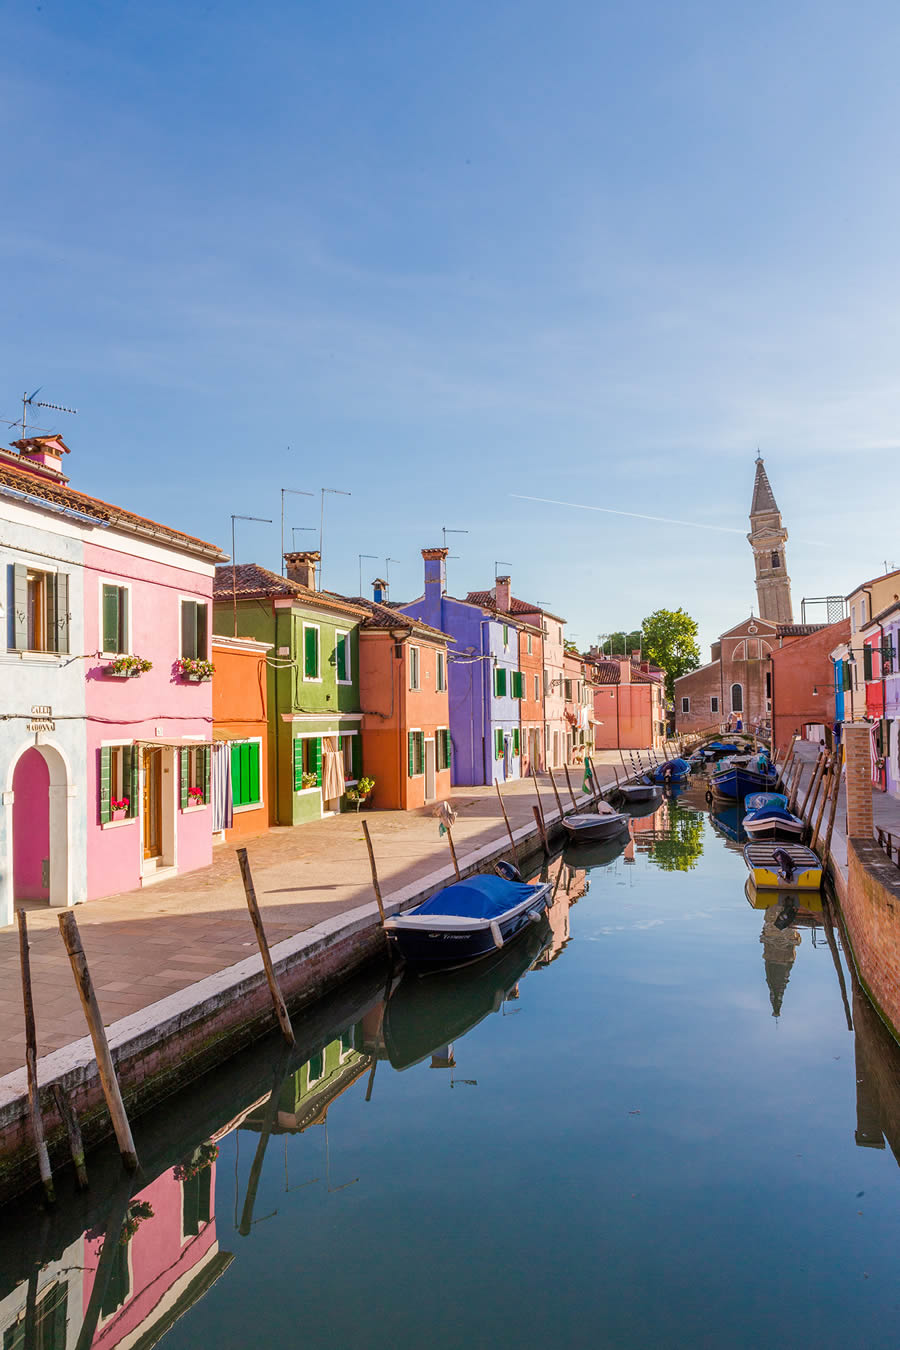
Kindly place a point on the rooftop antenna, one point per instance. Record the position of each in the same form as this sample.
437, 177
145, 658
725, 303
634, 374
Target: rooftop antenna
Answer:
31, 401
445, 531
387, 570
337, 492
501, 563
262, 521
303, 529
294, 492
373, 556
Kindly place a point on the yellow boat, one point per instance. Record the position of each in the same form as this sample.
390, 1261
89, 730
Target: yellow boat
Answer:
776, 866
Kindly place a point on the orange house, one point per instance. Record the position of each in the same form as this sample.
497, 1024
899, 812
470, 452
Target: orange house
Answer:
240, 736
403, 686
629, 704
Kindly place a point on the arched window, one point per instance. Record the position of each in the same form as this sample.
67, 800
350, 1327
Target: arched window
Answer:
764, 647
737, 698
740, 651
776, 560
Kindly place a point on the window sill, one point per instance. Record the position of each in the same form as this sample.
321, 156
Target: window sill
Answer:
117, 824
246, 806
312, 679
304, 792
189, 810
344, 684
52, 658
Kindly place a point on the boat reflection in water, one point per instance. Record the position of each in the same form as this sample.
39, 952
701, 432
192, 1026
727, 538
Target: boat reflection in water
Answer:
423, 1017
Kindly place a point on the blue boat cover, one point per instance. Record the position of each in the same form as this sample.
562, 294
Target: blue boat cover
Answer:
479, 897
771, 813
721, 745
758, 799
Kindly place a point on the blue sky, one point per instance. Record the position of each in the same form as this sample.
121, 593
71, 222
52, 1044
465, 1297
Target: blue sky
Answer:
586, 251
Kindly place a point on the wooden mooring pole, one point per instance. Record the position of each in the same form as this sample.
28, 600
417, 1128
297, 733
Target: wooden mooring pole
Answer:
34, 1091
571, 793
836, 792
827, 786
109, 1081
814, 783
539, 821
559, 805
512, 842
281, 1011
73, 1130
375, 885
453, 852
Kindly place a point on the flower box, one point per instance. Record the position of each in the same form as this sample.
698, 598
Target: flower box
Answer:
112, 674
196, 679
120, 815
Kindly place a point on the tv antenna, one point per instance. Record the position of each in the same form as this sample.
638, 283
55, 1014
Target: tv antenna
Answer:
32, 401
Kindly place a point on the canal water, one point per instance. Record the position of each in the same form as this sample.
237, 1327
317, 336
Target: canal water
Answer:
668, 1119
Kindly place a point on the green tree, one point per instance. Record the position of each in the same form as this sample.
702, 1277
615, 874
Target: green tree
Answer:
682, 845
670, 639
621, 643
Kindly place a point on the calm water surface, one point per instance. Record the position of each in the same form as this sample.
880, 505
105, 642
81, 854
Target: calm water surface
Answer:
659, 1132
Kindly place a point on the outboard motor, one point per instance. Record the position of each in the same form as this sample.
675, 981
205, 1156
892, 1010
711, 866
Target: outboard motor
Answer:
507, 871
785, 864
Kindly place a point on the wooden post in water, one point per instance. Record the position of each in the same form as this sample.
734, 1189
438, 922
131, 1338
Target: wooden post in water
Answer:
571, 793
826, 851
559, 805
817, 791
624, 765
539, 821
794, 789
34, 1091
453, 852
512, 842
814, 782
375, 884
270, 1115
281, 1011
109, 1082
827, 786
76, 1143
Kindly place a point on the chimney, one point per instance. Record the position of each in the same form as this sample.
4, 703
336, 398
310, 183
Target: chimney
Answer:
435, 571
502, 593
636, 657
624, 670
43, 453
380, 591
301, 567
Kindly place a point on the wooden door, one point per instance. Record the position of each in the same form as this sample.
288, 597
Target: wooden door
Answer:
152, 812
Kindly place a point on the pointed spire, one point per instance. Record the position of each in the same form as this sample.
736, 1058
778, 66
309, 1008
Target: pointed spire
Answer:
763, 496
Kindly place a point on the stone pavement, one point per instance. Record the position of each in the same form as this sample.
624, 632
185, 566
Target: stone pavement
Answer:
143, 945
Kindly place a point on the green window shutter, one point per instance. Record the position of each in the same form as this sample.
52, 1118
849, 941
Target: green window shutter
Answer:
128, 758
111, 619
58, 597
867, 663
846, 676
236, 797
202, 611
500, 682
318, 761
188, 628
105, 757
311, 653
340, 649
123, 619
20, 607
410, 752
506, 635
253, 773
420, 738
135, 780
298, 764
498, 743
515, 740
185, 776
206, 767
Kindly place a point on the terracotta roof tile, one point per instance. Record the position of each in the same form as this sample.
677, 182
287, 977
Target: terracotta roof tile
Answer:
387, 616
487, 600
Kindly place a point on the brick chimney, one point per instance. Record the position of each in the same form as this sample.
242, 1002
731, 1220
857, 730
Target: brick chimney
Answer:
301, 567
502, 591
43, 454
380, 591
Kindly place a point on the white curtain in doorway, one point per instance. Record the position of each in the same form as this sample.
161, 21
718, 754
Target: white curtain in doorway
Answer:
333, 781
220, 786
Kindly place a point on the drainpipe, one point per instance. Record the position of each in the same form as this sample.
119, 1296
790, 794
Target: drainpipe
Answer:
486, 750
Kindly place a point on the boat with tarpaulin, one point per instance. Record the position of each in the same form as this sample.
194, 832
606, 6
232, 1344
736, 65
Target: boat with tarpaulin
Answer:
783, 867
466, 921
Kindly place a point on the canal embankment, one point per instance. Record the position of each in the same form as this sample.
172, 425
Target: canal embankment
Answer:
173, 1027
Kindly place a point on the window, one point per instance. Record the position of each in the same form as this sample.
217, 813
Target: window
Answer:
867, 662
568, 690
528, 643
194, 625
416, 752
498, 743
500, 682
517, 684
443, 748
740, 651
348, 748
195, 775
713, 704
862, 613
245, 757
196, 1201
50, 1322
342, 657
685, 705
768, 684
414, 668
441, 677
312, 669
776, 560
40, 610
737, 698
307, 762
118, 781
315, 1068
559, 631
114, 618
506, 635
515, 740
537, 688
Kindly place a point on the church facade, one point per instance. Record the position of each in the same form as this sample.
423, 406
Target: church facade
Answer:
735, 686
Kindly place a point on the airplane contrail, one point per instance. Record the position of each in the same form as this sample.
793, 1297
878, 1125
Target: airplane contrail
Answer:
638, 515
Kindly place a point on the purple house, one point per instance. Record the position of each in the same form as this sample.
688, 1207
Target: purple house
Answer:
889, 620
484, 681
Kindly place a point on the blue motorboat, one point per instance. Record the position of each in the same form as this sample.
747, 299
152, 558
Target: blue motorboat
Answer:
672, 771
773, 822
758, 799
716, 749
466, 921
735, 783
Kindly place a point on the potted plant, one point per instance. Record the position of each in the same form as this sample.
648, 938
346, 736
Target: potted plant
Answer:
195, 796
309, 780
127, 667
361, 792
194, 669
119, 807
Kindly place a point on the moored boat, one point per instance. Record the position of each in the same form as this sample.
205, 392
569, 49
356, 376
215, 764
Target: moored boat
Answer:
672, 771
594, 827
466, 921
643, 790
783, 867
757, 799
773, 822
735, 783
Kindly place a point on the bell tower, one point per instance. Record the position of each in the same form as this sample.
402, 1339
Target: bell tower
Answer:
767, 539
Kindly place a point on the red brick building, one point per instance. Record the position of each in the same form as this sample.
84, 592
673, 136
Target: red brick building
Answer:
802, 683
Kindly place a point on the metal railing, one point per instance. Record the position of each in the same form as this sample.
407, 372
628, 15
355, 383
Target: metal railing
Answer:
889, 843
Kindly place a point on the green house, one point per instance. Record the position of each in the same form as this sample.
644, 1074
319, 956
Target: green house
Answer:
314, 711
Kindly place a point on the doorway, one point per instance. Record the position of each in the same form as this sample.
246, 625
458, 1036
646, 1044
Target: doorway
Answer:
430, 766
31, 827
151, 816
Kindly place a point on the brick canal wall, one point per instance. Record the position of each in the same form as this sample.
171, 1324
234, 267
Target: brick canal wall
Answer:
871, 910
